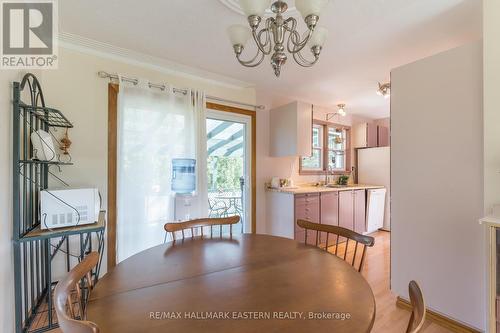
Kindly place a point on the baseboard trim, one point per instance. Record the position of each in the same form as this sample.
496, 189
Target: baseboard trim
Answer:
439, 319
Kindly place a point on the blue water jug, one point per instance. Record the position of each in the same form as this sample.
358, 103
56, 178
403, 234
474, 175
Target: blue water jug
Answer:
183, 175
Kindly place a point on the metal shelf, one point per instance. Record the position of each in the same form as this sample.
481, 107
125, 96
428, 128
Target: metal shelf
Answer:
50, 116
34, 248
38, 233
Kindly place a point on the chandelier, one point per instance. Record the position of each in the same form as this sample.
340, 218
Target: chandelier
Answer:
384, 89
272, 38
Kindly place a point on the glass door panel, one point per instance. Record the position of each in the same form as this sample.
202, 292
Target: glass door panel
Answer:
228, 167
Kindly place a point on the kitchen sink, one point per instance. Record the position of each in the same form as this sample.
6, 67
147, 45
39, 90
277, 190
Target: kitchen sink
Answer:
335, 186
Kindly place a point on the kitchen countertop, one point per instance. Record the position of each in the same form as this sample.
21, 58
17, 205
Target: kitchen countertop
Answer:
491, 221
320, 189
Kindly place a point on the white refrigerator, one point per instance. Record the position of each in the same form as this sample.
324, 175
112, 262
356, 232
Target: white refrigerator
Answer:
374, 168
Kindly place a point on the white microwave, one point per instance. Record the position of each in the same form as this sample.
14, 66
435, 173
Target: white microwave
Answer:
69, 207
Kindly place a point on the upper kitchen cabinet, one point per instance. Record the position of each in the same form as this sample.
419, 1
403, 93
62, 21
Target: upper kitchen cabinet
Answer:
383, 136
369, 135
290, 130
365, 135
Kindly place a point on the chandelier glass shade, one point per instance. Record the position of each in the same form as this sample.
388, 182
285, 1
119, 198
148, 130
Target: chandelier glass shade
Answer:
278, 35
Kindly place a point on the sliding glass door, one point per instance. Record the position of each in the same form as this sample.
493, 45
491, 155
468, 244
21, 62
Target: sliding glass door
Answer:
228, 166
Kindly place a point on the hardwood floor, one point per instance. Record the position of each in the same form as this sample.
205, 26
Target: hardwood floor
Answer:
389, 319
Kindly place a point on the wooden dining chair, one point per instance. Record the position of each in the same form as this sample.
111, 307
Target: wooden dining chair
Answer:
71, 295
200, 224
342, 235
417, 301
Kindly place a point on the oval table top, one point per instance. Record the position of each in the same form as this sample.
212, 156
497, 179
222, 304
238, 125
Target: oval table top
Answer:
247, 283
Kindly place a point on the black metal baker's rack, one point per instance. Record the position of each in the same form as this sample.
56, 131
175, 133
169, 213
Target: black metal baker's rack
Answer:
34, 247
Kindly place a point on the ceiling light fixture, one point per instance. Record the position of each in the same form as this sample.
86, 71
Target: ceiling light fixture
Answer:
275, 30
384, 89
341, 111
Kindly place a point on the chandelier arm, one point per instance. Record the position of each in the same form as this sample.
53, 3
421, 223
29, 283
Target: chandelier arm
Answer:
294, 43
257, 37
299, 59
267, 40
252, 62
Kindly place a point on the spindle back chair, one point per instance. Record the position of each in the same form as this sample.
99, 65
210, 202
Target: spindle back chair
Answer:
200, 224
340, 233
417, 318
74, 289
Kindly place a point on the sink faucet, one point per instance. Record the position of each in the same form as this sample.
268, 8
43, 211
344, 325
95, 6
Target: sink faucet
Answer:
327, 172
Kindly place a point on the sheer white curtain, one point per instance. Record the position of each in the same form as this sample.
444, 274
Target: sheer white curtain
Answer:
153, 127
198, 101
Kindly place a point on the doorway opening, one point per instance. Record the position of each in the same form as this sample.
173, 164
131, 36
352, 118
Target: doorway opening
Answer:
229, 166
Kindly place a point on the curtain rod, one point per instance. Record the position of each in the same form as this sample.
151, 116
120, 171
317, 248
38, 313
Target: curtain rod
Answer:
106, 75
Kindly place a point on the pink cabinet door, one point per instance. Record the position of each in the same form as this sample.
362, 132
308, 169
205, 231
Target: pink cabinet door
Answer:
383, 136
371, 135
329, 211
359, 211
346, 212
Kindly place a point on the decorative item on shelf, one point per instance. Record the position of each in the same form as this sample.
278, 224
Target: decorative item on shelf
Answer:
275, 30
343, 180
65, 143
43, 146
341, 112
384, 89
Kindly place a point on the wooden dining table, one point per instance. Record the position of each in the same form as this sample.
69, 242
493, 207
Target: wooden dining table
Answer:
244, 283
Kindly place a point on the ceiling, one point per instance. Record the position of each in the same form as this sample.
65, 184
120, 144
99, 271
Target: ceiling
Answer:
367, 38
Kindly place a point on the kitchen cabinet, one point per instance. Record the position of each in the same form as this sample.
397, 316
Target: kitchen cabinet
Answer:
290, 130
307, 207
359, 211
365, 135
383, 136
329, 211
352, 210
346, 211
368, 135
344, 207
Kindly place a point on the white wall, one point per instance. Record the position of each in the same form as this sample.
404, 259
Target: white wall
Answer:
76, 89
491, 54
491, 31
437, 182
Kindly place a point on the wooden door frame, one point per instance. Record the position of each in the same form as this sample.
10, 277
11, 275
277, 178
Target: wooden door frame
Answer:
113, 90
253, 153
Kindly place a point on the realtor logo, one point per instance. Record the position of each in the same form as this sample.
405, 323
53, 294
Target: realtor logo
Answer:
29, 34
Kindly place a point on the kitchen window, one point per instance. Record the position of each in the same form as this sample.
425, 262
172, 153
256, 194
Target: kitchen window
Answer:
330, 150
315, 162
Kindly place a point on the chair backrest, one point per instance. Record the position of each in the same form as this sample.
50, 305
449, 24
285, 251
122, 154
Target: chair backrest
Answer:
74, 289
417, 301
357, 257
199, 224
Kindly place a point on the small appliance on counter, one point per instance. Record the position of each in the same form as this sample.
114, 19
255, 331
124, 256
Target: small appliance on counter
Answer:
282, 183
69, 207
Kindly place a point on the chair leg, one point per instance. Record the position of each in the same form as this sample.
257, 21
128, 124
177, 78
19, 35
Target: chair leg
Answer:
165, 238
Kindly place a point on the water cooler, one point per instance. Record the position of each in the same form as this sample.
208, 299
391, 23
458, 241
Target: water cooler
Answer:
184, 186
